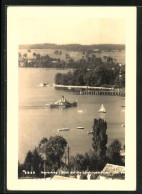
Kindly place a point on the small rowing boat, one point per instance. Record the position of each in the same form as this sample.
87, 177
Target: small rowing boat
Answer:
64, 129
89, 132
80, 111
80, 127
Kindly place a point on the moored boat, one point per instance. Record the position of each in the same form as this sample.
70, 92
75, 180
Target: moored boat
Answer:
80, 127
102, 109
80, 111
89, 132
64, 129
45, 84
122, 108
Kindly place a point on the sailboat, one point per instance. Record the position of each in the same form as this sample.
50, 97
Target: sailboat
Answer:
102, 109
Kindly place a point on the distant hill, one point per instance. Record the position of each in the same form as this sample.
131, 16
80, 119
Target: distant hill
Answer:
74, 47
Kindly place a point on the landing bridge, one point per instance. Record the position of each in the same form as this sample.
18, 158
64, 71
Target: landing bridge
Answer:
109, 93
88, 90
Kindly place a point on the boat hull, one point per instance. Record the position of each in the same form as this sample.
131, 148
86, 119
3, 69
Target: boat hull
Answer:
80, 127
64, 105
89, 132
102, 112
64, 129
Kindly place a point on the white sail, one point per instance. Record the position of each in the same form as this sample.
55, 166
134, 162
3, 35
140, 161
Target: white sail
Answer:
102, 109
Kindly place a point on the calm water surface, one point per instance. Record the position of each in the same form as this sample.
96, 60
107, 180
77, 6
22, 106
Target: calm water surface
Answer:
37, 120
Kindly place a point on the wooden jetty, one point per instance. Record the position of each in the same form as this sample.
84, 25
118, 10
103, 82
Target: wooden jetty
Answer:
102, 92
88, 90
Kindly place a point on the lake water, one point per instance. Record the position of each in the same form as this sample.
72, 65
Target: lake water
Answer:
37, 120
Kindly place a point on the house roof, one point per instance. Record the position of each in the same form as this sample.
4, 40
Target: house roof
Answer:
113, 171
111, 168
57, 177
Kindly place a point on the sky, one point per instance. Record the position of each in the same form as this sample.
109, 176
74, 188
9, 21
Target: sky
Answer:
69, 24
71, 31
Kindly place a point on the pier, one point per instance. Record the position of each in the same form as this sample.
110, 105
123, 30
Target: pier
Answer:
109, 93
88, 90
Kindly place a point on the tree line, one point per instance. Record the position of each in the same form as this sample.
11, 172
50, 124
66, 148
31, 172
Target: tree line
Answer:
100, 75
40, 61
89, 71
51, 152
74, 47
88, 58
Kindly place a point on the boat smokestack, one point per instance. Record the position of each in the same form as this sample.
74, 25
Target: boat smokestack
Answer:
63, 99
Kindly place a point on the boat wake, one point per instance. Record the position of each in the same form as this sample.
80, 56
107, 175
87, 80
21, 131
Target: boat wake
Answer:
47, 104
33, 107
43, 85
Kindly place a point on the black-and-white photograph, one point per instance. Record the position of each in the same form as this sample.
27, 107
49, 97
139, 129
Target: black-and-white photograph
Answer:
71, 81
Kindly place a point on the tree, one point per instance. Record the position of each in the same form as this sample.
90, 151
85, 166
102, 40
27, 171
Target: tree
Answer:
37, 56
52, 151
95, 163
47, 156
120, 81
55, 150
124, 147
34, 54
72, 163
123, 80
91, 79
37, 162
113, 153
43, 141
58, 78
109, 59
83, 52
25, 55
79, 162
42, 147
103, 74
99, 138
28, 163
89, 161
34, 160
56, 52
67, 55
20, 169
105, 58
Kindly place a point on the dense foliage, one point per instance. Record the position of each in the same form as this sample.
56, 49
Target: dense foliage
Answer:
96, 159
113, 153
99, 138
89, 70
87, 162
50, 151
98, 76
49, 154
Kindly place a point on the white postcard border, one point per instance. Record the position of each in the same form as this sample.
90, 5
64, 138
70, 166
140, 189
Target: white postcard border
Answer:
14, 13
